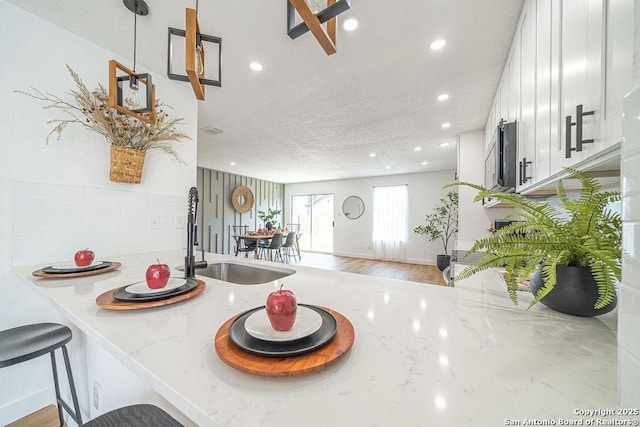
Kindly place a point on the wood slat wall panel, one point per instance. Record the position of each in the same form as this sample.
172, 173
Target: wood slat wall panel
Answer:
217, 214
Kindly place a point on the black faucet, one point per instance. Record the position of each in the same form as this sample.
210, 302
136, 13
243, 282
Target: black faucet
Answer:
190, 263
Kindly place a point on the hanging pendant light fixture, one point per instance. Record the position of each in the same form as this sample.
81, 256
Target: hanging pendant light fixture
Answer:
314, 13
194, 61
141, 107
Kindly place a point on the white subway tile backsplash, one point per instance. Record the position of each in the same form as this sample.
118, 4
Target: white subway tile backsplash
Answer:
39, 191
26, 224
630, 176
67, 208
629, 319
630, 254
51, 222
24, 207
629, 366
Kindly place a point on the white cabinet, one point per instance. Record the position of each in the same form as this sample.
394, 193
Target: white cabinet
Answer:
566, 56
581, 82
526, 122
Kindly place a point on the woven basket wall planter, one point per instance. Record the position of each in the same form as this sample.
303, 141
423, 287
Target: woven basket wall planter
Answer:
126, 164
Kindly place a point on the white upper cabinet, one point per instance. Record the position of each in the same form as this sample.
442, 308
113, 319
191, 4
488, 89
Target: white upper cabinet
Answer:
581, 82
526, 121
569, 67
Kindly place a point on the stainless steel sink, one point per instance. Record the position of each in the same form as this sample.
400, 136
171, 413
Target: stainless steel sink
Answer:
243, 274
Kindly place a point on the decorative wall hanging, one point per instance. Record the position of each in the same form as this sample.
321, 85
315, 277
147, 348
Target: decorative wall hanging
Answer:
194, 55
129, 137
141, 107
313, 20
242, 199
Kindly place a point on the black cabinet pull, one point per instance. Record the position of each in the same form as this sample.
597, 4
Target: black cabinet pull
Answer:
523, 171
567, 132
579, 115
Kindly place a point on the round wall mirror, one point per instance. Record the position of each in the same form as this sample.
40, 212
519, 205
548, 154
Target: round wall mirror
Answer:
353, 207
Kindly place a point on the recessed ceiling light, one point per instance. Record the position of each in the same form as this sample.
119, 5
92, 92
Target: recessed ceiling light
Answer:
232, 163
443, 97
387, 167
256, 66
372, 154
444, 144
417, 149
438, 44
445, 125
350, 24
424, 163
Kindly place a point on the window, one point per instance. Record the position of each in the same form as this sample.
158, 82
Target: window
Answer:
390, 222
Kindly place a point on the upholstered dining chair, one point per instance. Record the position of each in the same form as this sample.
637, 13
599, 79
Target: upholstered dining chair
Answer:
243, 245
289, 246
274, 248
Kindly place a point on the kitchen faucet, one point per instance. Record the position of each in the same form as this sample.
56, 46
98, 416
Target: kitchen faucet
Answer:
190, 263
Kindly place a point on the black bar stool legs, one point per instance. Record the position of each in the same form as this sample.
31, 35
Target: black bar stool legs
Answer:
27, 342
75, 412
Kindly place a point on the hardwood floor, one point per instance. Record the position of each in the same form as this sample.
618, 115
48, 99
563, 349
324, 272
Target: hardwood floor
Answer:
45, 417
395, 270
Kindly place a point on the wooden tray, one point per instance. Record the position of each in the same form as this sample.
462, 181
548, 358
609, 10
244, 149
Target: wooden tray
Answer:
266, 366
106, 300
40, 273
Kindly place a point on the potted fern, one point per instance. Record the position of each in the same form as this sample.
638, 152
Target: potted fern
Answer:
441, 225
572, 251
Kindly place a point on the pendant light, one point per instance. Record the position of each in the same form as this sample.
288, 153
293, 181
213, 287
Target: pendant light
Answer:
314, 14
194, 60
133, 104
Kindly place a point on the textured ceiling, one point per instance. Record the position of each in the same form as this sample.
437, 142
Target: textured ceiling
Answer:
308, 116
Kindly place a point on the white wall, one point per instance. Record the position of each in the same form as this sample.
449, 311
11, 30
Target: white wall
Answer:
473, 218
353, 237
47, 188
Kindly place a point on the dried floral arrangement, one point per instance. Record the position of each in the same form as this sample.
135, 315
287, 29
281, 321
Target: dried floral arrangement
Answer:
93, 112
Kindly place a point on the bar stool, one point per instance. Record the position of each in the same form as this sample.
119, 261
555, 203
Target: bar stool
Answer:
27, 342
142, 415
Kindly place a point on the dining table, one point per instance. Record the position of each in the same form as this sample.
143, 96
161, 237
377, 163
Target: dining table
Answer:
258, 237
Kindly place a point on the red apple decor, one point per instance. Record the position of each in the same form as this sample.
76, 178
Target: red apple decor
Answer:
281, 309
84, 257
158, 275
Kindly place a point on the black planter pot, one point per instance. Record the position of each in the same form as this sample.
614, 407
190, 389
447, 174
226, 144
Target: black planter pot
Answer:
268, 226
442, 261
575, 292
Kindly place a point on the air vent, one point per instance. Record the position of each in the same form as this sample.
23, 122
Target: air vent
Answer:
212, 130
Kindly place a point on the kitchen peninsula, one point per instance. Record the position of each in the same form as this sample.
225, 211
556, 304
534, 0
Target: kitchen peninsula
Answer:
423, 355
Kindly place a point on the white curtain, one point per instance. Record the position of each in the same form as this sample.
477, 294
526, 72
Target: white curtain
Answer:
390, 219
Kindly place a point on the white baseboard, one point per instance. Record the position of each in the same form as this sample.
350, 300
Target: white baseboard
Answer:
16, 409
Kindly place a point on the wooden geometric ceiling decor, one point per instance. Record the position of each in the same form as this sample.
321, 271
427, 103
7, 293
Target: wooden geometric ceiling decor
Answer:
194, 56
313, 22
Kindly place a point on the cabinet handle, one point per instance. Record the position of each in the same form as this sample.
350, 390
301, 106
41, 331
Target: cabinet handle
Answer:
523, 171
579, 115
567, 147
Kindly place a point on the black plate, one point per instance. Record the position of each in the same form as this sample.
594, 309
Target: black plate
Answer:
122, 295
53, 270
239, 335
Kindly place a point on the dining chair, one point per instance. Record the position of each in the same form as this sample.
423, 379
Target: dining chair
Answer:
289, 246
243, 245
292, 226
274, 248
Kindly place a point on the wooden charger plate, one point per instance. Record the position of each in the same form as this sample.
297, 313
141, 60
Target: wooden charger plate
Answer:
40, 273
106, 300
266, 366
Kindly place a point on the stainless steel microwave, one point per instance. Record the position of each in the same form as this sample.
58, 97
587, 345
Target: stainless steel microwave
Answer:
500, 163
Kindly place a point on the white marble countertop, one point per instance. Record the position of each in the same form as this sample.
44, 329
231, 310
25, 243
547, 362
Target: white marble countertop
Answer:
423, 355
